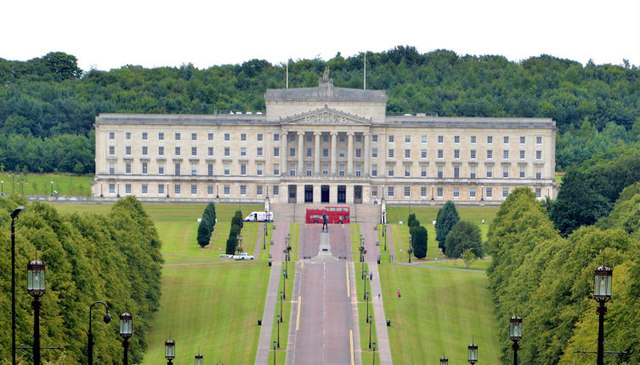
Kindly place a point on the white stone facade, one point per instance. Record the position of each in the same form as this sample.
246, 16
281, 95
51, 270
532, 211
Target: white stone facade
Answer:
323, 145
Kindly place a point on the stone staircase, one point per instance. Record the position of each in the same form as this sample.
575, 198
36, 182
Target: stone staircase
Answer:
360, 213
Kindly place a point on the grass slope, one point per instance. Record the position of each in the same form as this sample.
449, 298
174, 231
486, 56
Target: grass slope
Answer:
40, 184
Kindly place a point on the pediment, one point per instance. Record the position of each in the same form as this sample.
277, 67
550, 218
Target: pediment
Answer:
325, 116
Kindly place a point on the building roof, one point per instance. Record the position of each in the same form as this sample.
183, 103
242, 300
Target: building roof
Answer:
182, 119
325, 92
468, 122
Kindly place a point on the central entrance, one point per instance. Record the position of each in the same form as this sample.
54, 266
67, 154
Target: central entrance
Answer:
324, 193
308, 193
342, 194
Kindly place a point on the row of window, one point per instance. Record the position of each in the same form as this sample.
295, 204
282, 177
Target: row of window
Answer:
309, 137
177, 189
473, 192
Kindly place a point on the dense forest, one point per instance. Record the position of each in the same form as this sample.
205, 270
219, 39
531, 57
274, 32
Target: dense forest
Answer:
114, 258
48, 105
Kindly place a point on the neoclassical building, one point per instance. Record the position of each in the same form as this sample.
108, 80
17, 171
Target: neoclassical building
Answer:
323, 144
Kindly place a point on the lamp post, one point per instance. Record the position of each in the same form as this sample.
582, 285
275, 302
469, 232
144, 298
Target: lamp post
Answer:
473, 353
14, 215
199, 359
274, 352
279, 319
2, 187
444, 361
366, 296
51, 192
169, 351
266, 230
369, 319
374, 353
284, 287
106, 319
281, 297
36, 288
410, 249
602, 278
126, 331
515, 334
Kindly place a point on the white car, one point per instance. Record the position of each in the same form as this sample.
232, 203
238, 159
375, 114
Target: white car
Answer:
243, 256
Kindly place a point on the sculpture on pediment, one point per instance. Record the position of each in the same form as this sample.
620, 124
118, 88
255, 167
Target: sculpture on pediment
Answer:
325, 78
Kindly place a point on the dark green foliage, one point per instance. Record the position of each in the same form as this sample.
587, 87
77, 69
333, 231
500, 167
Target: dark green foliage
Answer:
412, 221
588, 192
114, 257
445, 220
237, 219
462, 236
595, 106
207, 224
236, 229
419, 238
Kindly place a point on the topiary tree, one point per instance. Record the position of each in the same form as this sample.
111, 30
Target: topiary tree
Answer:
412, 221
419, 238
464, 235
210, 213
237, 219
204, 234
445, 220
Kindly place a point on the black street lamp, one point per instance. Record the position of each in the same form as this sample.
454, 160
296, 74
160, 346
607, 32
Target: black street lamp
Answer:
36, 288
274, 352
2, 188
602, 279
279, 319
366, 296
106, 319
374, 353
51, 192
281, 297
473, 353
444, 361
169, 351
14, 215
199, 359
515, 334
284, 287
126, 331
370, 321
410, 249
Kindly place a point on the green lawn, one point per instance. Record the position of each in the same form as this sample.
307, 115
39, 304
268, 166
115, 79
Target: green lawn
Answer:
481, 265
440, 313
40, 184
362, 314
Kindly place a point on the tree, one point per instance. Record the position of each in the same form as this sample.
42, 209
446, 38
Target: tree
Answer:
468, 256
204, 234
464, 235
412, 221
445, 220
419, 241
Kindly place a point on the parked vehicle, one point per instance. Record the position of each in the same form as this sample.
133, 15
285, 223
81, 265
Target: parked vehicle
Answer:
335, 215
243, 256
259, 217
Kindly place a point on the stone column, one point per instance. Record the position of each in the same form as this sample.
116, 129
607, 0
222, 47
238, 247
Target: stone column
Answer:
367, 153
349, 153
316, 156
283, 153
334, 153
301, 153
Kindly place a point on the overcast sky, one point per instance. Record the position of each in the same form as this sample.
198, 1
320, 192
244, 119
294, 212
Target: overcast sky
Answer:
110, 34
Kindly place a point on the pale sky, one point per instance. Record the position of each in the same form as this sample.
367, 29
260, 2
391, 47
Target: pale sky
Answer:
110, 34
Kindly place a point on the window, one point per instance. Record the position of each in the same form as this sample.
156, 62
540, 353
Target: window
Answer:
440, 192
407, 170
177, 168
145, 150
538, 140
390, 191
161, 136
506, 139
505, 192
325, 169
489, 139
112, 188
243, 169
505, 171
127, 135
489, 154
440, 171
226, 190
308, 137
112, 168
160, 189
160, 169
259, 137
374, 138
390, 170
423, 139
358, 153
227, 137
210, 189
177, 188
210, 136
456, 139
456, 172
423, 191
292, 170
489, 192
144, 136
407, 138
325, 138
259, 190
391, 152
473, 154
292, 152
127, 168
423, 170
177, 151
177, 136
145, 188
521, 172
358, 169
276, 137
112, 135
194, 136
358, 137
210, 151
538, 155
374, 152
161, 150
325, 152
276, 190
227, 151
523, 139
538, 193
472, 173
308, 169
145, 168
194, 151
473, 139
440, 153
209, 169
440, 139
374, 170
341, 152
112, 150
243, 137
259, 169
472, 193
259, 151
538, 173
505, 154
194, 169
407, 153
243, 151
522, 154
374, 191
194, 189
292, 137
456, 192
407, 191
127, 150
309, 152
227, 169
423, 153
276, 169
341, 169
456, 154
341, 137
276, 151
391, 138
489, 171
127, 188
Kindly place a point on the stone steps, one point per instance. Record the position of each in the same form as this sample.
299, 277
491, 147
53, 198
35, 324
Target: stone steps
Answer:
360, 213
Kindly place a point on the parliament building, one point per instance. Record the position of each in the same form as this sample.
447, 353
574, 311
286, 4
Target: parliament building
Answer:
323, 144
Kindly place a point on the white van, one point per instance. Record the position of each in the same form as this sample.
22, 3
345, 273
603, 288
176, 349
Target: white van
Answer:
259, 217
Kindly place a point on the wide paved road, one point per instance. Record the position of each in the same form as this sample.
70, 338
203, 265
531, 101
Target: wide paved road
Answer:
323, 333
